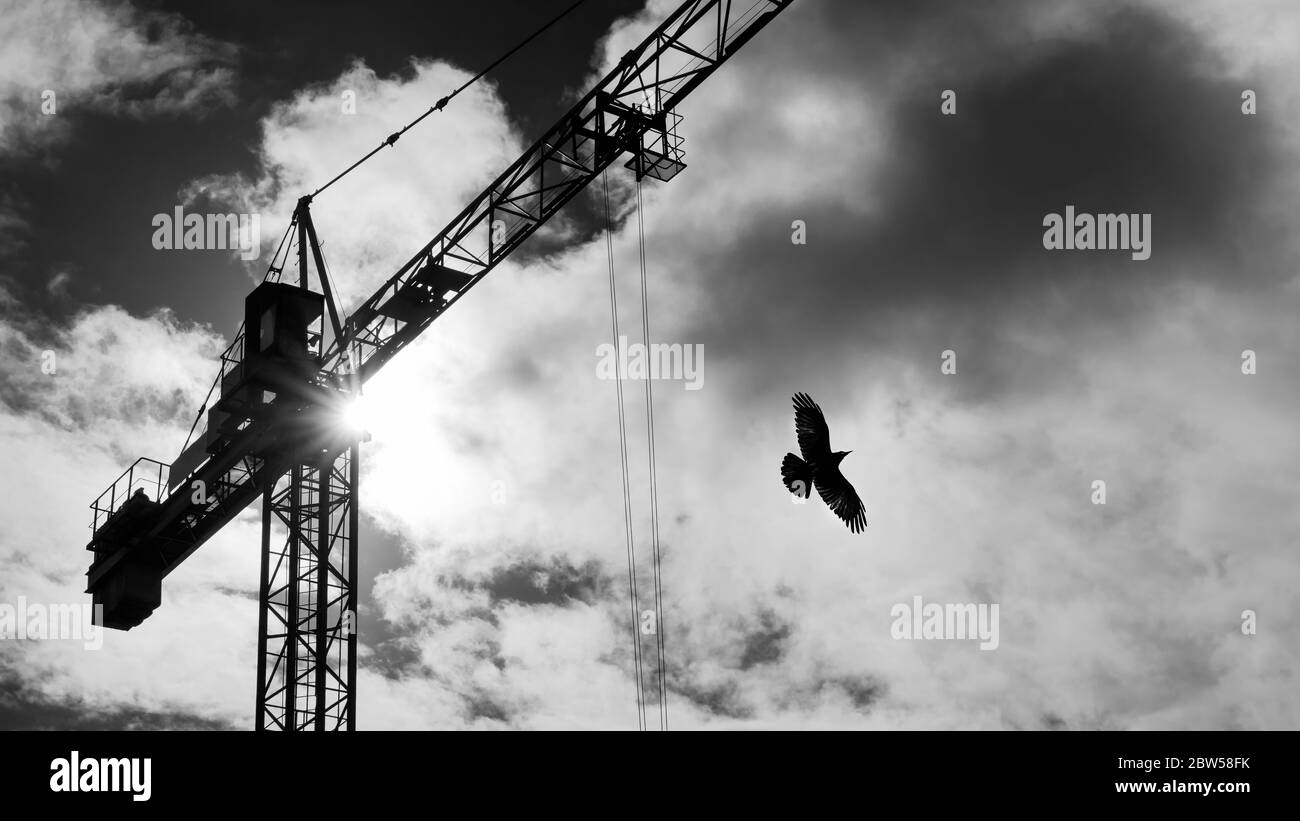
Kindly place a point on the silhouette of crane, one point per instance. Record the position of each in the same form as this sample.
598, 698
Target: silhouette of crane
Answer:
273, 416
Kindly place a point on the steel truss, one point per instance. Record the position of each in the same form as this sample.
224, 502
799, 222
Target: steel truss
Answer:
307, 637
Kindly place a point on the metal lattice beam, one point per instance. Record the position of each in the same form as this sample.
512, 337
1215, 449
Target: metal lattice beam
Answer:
307, 642
675, 58
307, 646
615, 117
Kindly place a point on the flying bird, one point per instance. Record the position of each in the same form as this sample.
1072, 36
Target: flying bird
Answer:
820, 466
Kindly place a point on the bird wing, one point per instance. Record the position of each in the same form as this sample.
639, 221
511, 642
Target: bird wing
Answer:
842, 499
810, 425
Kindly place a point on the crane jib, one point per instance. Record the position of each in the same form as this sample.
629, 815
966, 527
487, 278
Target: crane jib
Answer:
256, 431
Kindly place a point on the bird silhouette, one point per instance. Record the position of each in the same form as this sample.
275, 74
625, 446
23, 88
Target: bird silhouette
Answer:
820, 466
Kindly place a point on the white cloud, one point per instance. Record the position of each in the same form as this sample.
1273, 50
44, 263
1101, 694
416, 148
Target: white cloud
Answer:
1113, 616
370, 220
123, 387
101, 58
62, 58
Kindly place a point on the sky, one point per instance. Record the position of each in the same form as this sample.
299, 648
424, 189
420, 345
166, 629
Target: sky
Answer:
493, 558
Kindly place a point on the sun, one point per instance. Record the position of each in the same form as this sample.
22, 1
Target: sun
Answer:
359, 415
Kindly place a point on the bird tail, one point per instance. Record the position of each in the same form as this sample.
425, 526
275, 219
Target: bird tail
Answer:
797, 475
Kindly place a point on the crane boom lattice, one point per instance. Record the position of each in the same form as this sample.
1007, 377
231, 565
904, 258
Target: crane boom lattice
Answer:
272, 425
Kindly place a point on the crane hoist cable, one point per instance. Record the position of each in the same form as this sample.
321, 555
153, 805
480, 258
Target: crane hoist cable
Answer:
654, 480
442, 103
627, 495
656, 562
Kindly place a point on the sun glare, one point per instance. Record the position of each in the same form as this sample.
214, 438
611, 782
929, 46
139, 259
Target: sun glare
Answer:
359, 414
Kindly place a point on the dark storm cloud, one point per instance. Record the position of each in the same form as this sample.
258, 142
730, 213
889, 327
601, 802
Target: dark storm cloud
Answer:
722, 699
862, 692
396, 657
554, 582
762, 640
1053, 721
531, 581
486, 708
528, 581
765, 644
22, 708
1132, 116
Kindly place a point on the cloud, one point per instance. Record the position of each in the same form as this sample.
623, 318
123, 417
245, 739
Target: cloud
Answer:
109, 59
65, 59
496, 464
977, 487
495, 446
366, 219
121, 387
58, 284
926, 229
14, 227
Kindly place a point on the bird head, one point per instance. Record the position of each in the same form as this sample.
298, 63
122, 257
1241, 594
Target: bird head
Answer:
840, 454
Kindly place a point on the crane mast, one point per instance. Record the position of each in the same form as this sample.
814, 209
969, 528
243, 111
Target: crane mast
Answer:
273, 423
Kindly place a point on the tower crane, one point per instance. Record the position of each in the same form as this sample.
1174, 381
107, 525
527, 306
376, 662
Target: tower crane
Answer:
273, 415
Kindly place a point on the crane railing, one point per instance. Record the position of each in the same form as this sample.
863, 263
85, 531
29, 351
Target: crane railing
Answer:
144, 474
